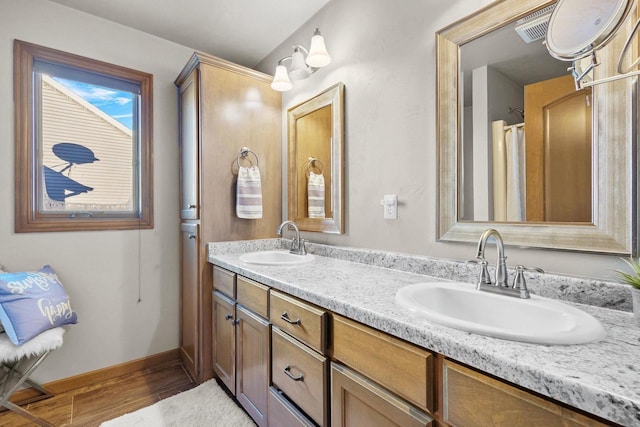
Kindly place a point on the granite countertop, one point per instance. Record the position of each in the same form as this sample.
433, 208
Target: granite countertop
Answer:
602, 378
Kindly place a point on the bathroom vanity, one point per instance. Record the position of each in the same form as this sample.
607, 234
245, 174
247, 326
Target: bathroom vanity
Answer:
341, 349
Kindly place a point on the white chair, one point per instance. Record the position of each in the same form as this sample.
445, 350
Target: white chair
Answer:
19, 362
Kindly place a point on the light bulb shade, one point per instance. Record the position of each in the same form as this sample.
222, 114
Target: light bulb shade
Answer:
298, 69
281, 81
318, 55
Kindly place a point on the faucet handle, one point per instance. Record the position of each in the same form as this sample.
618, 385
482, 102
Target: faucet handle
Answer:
519, 281
302, 248
298, 246
485, 278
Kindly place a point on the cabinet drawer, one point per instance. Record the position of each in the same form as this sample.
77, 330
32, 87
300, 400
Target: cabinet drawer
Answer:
301, 374
356, 401
253, 295
474, 399
299, 319
405, 369
224, 281
283, 413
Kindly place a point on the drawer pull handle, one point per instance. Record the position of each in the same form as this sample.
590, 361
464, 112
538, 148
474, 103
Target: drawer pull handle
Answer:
286, 318
287, 370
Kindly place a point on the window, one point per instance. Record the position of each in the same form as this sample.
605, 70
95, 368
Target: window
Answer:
83, 132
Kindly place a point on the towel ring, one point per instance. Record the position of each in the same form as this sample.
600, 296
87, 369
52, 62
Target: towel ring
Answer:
244, 152
313, 163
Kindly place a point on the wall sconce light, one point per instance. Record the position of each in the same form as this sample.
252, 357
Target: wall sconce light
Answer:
301, 67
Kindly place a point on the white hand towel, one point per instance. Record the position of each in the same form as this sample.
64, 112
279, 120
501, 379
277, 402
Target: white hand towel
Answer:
249, 193
315, 195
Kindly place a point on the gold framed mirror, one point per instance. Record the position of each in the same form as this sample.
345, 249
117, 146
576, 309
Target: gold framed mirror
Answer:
611, 226
316, 162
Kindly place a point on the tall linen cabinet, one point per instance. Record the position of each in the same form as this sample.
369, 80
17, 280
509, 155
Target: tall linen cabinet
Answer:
223, 108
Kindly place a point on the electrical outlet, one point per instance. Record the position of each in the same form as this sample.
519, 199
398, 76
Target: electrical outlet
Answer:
390, 206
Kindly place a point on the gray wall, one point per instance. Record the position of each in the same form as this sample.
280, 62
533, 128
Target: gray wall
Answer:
102, 270
384, 52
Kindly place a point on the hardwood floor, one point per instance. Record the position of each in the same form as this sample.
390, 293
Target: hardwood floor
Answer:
91, 405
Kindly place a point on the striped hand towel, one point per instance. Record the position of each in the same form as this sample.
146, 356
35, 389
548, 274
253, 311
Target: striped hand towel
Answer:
249, 193
315, 194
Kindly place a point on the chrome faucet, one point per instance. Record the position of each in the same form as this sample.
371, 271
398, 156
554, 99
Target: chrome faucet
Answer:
500, 285
297, 244
501, 266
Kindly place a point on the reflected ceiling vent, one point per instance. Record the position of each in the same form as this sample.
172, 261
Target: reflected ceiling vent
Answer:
533, 27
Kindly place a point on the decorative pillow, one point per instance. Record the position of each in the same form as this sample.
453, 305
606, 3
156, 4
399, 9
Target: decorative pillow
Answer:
32, 302
1, 327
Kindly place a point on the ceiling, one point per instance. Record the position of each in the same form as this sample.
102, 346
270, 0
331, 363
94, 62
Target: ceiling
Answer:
241, 31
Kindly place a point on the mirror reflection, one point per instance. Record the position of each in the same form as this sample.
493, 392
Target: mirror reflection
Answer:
602, 216
315, 128
313, 156
525, 129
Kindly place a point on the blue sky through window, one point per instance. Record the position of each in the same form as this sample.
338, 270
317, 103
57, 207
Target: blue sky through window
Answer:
116, 103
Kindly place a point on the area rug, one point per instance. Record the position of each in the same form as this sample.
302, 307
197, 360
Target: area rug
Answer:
206, 405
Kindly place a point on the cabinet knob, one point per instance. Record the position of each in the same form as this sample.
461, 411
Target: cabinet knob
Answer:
191, 207
235, 322
192, 236
228, 316
287, 371
284, 316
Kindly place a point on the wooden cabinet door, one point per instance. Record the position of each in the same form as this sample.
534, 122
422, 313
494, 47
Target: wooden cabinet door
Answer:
189, 297
356, 401
224, 340
189, 182
473, 399
252, 364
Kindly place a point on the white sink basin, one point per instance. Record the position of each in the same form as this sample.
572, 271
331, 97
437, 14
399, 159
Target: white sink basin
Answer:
275, 258
536, 320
